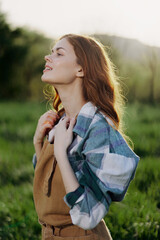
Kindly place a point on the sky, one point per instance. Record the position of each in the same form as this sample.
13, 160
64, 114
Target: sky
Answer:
137, 19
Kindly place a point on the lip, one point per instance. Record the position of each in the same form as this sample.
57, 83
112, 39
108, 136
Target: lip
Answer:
47, 66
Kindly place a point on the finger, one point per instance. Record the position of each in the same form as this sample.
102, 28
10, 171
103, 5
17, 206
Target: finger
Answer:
46, 128
46, 125
51, 111
54, 113
46, 122
67, 122
64, 122
49, 117
51, 114
71, 124
64, 119
52, 117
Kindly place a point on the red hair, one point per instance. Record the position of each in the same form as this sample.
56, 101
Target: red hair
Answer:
100, 83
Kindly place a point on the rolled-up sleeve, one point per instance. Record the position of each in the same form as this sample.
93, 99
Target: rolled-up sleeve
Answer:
108, 167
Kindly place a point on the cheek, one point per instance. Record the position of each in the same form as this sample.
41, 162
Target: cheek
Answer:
67, 67
67, 63
63, 71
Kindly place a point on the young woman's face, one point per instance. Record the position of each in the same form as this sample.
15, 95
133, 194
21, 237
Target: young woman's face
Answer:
61, 66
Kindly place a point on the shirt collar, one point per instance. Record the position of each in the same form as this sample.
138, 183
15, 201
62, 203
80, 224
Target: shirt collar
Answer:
84, 119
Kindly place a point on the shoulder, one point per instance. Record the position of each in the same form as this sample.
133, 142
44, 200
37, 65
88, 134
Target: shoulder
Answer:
101, 125
102, 129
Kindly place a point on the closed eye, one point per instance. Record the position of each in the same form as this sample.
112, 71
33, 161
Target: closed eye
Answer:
59, 54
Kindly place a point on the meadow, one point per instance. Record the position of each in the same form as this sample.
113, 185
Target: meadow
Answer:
136, 217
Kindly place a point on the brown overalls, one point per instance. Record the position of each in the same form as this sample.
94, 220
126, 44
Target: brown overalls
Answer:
53, 213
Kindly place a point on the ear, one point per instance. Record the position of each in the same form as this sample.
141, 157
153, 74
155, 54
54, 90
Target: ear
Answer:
80, 72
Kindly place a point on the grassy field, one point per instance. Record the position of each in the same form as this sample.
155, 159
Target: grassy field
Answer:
136, 217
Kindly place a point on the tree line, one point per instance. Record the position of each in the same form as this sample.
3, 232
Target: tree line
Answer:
22, 54
21, 61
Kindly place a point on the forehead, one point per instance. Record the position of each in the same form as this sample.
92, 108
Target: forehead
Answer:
64, 43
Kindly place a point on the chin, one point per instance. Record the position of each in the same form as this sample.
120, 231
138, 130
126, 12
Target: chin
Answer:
48, 80
45, 79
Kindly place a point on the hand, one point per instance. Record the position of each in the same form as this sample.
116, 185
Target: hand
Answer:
63, 135
45, 123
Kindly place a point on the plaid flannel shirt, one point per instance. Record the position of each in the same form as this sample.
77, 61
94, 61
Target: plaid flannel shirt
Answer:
103, 163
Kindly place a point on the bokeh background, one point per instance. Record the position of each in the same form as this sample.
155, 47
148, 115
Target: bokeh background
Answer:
130, 32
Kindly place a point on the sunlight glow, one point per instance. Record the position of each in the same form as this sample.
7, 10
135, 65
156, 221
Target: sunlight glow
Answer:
137, 19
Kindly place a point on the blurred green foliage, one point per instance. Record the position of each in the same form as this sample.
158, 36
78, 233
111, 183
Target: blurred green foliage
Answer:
21, 61
136, 217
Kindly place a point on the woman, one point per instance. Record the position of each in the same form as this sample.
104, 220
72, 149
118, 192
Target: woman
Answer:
90, 164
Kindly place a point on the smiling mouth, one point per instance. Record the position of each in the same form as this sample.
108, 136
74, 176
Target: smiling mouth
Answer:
47, 68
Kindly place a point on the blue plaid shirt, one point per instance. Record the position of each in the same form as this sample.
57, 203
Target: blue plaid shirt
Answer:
103, 163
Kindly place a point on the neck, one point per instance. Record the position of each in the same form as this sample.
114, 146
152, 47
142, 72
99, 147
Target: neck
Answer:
72, 99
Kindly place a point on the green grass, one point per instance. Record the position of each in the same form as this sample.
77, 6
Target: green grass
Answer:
18, 219
136, 217
143, 122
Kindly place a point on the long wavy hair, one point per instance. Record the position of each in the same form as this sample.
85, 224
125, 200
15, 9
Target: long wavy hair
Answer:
100, 83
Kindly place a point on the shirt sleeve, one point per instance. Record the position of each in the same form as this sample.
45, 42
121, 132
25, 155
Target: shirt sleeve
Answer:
108, 167
34, 160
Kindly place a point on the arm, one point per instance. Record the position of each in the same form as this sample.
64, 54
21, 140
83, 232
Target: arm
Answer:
108, 167
63, 138
68, 176
38, 147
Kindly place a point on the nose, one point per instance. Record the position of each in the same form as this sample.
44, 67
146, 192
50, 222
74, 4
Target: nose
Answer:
48, 58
